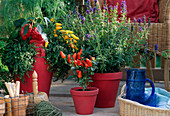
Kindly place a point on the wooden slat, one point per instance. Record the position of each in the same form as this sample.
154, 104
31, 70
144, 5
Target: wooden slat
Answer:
166, 74
149, 73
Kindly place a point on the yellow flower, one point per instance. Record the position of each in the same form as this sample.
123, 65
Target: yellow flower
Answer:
52, 19
58, 28
68, 31
75, 47
74, 41
55, 35
54, 32
66, 37
66, 41
75, 37
72, 45
46, 44
63, 31
58, 24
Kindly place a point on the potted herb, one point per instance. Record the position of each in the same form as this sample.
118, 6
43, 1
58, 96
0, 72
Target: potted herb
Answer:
84, 97
114, 42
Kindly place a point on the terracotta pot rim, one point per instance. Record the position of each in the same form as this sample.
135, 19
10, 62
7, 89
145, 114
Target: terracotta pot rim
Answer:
94, 91
107, 76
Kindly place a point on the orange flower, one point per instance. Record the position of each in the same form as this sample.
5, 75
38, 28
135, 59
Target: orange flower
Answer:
79, 74
71, 44
81, 51
62, 55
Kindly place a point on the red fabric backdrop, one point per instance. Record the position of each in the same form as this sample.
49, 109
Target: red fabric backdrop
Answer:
138, 8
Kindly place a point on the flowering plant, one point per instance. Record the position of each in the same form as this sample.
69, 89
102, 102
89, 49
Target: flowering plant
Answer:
19, 53
113, 41
82, 67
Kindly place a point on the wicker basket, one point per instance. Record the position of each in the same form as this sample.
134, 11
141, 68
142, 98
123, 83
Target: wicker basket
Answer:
131, 108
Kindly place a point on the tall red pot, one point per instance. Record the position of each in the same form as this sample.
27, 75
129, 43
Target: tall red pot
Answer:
40, 66
84, 101
108, 84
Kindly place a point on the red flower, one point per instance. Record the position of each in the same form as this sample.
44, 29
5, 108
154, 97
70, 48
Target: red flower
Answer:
77, 71
69, 58
62, 55
79, 63
78, 56
81, 51
86, 65
74, 56
79, 74
27, 35
89, 62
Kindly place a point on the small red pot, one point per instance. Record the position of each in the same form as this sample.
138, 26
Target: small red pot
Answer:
108, 84
84, 101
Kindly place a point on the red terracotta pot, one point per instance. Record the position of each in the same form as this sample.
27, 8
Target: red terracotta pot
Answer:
108, 84
84, 101
40, 66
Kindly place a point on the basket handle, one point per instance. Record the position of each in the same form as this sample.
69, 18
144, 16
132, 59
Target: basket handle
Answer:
123, 89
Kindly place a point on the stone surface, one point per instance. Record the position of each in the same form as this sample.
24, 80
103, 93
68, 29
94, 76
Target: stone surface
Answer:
61, 98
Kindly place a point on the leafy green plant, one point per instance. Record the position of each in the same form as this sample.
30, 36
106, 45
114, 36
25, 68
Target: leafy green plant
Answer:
19, 57
112, 41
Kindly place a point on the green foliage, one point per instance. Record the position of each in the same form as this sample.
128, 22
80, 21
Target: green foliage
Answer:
19, 57
12, 10
112, 42
3, 68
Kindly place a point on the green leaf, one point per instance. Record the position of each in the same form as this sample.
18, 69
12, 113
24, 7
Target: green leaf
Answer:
14, 34
70, 77
26, 29
92, 73
90, 80
3, 38
19, 22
